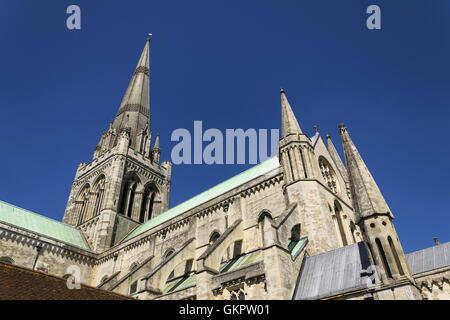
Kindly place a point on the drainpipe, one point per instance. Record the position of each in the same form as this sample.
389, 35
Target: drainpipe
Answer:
39, 250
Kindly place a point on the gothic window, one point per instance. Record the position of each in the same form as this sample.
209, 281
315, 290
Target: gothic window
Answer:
214, 236
148, 203
81, 204
99, 191
128, 194
7, 260
168, 253
328, 174
396, 257
263, 223
340, 223
383, 257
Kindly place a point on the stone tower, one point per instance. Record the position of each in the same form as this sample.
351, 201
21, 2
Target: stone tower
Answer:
375, 220
314, 184
124, 185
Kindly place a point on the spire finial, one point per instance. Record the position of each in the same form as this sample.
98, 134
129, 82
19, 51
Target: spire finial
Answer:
156, 145
316, 128
149, 36
342, 128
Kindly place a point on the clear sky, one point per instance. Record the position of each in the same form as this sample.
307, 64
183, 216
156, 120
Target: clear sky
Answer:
223, 62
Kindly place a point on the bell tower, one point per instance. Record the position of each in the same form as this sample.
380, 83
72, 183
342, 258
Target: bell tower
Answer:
125, 184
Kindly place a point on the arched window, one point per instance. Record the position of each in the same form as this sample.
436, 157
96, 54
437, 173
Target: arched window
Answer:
98, 191
7, 260
148, 203
396, 257
128, 193
340, 223
214, 236
168, 253
263, 223
328, 174
81, 204
383, 257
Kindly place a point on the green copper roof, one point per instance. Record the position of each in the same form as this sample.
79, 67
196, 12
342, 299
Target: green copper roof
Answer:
241, 262
296, 247
180, 284
227, 185
39, 224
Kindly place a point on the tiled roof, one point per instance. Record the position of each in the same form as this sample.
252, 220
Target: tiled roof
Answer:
429, 259
36, 223
18, 283
234, 182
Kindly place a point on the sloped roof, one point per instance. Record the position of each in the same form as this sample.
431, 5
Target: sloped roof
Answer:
36, 223
296, 247
241, 261
429, 259
19, 283
234, 182
179, 284
333, 272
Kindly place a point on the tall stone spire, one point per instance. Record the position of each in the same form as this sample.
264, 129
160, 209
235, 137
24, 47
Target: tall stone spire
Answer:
134, 110
367, 197
375, 222
289, 123
294, 149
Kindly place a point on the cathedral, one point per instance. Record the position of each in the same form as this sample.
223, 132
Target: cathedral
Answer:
301, 225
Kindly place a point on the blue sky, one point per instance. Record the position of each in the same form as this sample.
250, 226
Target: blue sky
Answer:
223, 62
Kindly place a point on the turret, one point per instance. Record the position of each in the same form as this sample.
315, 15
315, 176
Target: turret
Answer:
373, 215
295, 149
